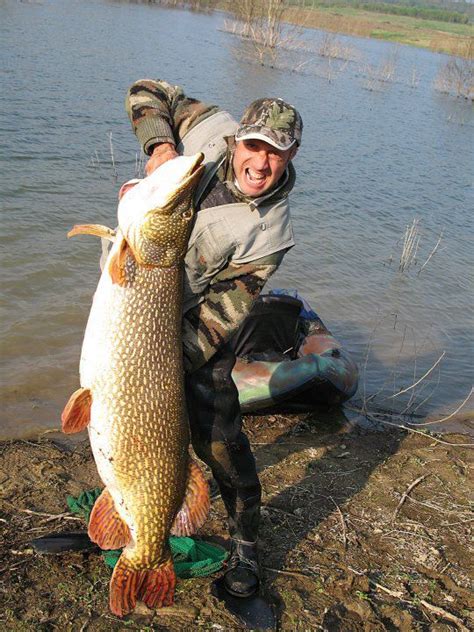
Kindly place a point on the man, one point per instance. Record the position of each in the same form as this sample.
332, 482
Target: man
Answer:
241, 232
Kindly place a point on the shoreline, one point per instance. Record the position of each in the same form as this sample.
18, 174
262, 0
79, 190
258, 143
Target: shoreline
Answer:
348, 541
418, 33
437, 37
461, 423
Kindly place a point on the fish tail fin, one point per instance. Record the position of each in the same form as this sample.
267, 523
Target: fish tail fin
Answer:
124, 586
196, 503
155, 587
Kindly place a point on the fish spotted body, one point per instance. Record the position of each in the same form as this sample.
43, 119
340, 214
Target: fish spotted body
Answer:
132, 395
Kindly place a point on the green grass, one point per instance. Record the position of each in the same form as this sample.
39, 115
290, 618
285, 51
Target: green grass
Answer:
447, 37
404, 20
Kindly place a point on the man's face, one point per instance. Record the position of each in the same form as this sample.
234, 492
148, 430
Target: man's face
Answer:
258, 165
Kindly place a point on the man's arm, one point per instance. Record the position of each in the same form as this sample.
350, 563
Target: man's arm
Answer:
227, 302
162, 113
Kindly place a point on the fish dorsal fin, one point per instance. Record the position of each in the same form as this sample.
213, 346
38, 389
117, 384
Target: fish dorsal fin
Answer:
118, 261
195, 505
77, 412
93, 229
106, 527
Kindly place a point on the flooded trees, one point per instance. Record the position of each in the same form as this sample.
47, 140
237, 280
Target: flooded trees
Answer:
456, 76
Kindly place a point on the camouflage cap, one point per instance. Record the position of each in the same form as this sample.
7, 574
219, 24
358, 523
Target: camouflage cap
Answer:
273, 121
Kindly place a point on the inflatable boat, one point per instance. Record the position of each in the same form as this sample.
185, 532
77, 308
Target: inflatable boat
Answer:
288, 359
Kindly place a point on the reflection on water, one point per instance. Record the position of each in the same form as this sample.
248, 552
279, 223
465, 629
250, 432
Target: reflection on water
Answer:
371, 161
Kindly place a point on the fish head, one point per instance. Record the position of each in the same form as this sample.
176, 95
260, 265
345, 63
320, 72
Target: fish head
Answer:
155, 216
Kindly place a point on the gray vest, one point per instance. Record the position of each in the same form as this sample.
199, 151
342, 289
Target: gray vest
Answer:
236, 232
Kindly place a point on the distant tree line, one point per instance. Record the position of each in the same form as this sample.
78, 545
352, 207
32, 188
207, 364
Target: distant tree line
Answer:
425, 13
413, 8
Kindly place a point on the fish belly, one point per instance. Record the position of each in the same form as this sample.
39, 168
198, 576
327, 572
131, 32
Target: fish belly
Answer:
132, 363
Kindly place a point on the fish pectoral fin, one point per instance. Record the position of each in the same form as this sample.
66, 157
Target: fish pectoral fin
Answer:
118, 261
106, 527
92, 229
155, 586
196, 503
77, 412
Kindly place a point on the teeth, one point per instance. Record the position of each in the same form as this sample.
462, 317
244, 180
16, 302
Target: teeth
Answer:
255, 176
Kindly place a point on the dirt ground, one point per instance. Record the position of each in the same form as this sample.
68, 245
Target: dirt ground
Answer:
362, 529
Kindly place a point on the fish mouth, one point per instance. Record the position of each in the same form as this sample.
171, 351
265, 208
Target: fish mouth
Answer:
185, 191
193, 175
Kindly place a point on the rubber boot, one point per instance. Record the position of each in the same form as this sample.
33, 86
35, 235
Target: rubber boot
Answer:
216, 431
242, 576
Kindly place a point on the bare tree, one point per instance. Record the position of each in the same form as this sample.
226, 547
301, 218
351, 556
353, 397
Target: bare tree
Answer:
457, 75
245, 12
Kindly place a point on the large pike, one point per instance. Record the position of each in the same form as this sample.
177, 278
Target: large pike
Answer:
132, 397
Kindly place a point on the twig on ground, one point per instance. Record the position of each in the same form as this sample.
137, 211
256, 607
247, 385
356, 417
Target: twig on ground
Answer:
420, 432
406, 493
65, 516
343, 522
410, 533
398, 594
393, 593
432, 506
287, 572
286, 513
10, 568
444, 614
85, 624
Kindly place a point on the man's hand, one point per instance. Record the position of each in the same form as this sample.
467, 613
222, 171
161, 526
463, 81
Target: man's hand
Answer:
161, 154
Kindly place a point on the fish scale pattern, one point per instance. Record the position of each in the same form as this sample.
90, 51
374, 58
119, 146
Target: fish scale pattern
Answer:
138, 417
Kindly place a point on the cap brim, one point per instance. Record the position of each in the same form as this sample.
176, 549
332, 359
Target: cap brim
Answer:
259, 136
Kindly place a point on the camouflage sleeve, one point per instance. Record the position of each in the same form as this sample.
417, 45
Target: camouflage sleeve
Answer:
162, 113
227, 302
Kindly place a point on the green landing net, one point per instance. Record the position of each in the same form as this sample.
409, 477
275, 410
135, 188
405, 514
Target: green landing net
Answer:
191, 558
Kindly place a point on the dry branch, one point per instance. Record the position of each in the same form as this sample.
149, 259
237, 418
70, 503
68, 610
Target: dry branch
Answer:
440, 612
438, 421
421, 378
406, 494
343, 522
65, 516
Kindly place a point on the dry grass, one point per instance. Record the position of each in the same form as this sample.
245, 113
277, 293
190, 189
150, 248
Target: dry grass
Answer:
401, 29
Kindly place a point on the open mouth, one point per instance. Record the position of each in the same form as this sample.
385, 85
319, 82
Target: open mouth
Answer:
254, 177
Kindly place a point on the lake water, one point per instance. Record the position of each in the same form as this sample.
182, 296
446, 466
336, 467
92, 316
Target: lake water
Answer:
374, 158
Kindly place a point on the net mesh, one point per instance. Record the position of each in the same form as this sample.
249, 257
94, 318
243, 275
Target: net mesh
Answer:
191, 558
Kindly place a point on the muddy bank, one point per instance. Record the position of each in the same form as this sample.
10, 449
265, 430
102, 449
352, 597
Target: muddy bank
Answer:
362, 530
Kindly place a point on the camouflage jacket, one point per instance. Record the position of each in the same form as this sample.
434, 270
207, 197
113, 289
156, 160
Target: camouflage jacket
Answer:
162, 113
